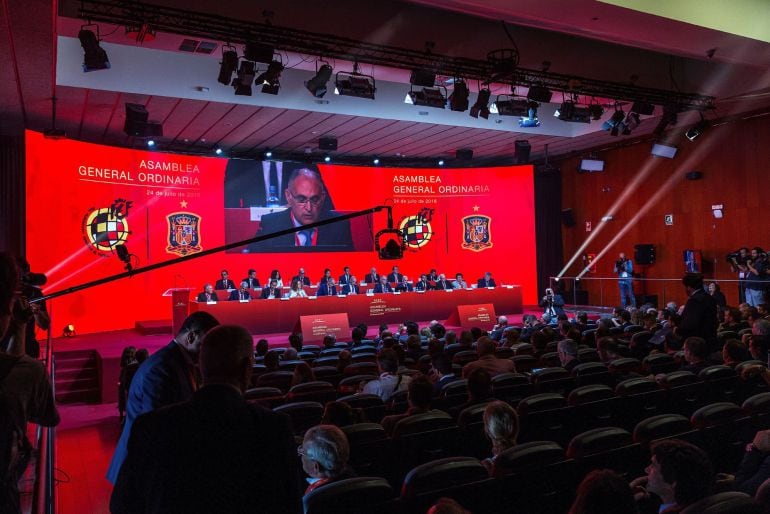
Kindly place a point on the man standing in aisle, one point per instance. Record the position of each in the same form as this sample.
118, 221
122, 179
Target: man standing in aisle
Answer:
625, 270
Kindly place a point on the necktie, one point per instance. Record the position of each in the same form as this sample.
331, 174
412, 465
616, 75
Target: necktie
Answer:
308, 237
208, 297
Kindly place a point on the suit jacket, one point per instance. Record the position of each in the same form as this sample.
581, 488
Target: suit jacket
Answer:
379, 288
212, 453
421, 286
224, 284
405, 286
395, 277
163, 379
699, 318
236, 295
305, 279
347, 287
446, 285
344, 279
253, 282
202, 297
324, 290
331, 238
483, 283
372, 279
492, 364
266, 293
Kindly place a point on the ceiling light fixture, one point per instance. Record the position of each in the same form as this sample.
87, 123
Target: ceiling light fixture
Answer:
572, 112
95, 57
242, 83
354, 84
317, 85
270, 79
481, 107
698, 129
458, 100
228, 65
427, 97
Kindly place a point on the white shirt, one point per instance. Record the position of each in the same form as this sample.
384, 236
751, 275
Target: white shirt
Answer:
298, 293
385, 386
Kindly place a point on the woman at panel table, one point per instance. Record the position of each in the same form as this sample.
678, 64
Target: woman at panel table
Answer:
297, 289
275, 275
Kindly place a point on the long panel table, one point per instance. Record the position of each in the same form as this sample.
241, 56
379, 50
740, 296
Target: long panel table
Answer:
271, 316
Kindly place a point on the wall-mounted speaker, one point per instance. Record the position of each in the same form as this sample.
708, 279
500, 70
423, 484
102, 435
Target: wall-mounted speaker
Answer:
521, 151
327, 143
694, 175
568, 217
644, 254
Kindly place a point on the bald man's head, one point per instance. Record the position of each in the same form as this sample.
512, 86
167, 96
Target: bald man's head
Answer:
226, 356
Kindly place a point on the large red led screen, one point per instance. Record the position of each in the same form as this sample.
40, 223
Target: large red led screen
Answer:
86, 200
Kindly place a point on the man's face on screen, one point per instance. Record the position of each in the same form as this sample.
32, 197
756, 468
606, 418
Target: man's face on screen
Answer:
305, 197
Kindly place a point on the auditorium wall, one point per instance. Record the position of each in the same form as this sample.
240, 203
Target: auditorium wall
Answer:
733, 159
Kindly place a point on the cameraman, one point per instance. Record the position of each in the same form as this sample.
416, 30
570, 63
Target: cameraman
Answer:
553, 304
625, 270
30, 290
737, 261
755, 278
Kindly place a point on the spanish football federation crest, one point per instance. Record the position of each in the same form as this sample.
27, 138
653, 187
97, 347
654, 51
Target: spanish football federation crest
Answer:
476, 233
416, 229
183, 233
106, 228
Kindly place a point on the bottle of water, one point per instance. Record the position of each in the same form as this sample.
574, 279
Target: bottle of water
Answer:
272, 200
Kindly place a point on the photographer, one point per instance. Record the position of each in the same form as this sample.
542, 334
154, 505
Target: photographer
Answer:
755, 278
625, 270
553, 304
737, 261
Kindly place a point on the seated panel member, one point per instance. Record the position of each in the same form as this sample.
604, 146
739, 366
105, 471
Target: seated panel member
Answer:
224, 282
422, 284
351, 287
208, 294
271, 292
404, 285
372, 277
242, 293
442, 283
487, 280
395, 276
327, 288
275, 275
252, 279
345, 277
300, 276
459, 283
297, 289
308, 203
433, 276
383, 286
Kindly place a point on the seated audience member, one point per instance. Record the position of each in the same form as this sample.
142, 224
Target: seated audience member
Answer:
426, 333
679, 474
447, 506
301, 277
744, 308
435, 347
419, 396
344, 359
581, 321
758, 348
340, 414
734, 352
262, 348
356, 336
422, 284
271, 291
275, 275
649, 322
329, 341
497, 330
296, 341
450, 337
760, 331
442, 372
732, 320
324, 452
485, 348
327, 288
438, 330
486, 280
388, 382
272, 358
241, 294
666, 333
501, 426
458, 282
695, 354
755, 466
251, 279
465, 343
208, 294
290, 355
303, 374
441, 283
383, 286
603, 491
297, 289
607, 348
567, 350
414, 347
351, 287
208, 454
510, 337
479, 391
224, 283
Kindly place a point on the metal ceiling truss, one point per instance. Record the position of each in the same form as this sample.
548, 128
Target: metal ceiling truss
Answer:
231, 30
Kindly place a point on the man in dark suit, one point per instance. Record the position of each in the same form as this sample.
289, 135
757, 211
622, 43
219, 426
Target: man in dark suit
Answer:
345, 277
699, 317
251, 280
404, 286
487, 280
395, 276
306, 196
241, 294
433, 275
208, 294
372, 277
443, 283
272, 291
351, 287
422, 284
214, 452
383, 286
167, 377
442, 370
224, 283
327, 288
301, 277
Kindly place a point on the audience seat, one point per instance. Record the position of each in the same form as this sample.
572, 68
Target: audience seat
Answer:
350, 384
625, 366
464, 357
327, 374
503, 353
550, 360
606, 447
589, 337
462, 478
724, 503
474, 440
685, 392
511, 387
642, 398
351, 496
370, 405
279, 379
588, 355
523, 349
662, 426
266, 396
524, 363
657, 363
317, 391
307, 356
553, 380
328, 352
589, 373
633, 329
758, 408
289, 365
595, 406
304, 415
398, 403
422, 438
363, 349
454, 393
311, 348
365, 357
640, 342
329, 360
545, 416
720, 383
369, 448
342, 344
362, 368
725, 429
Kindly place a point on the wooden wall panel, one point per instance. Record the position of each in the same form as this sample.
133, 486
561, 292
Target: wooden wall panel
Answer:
734, 160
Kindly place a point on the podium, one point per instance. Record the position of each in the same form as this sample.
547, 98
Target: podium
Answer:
480, 315
180, 306
315, 327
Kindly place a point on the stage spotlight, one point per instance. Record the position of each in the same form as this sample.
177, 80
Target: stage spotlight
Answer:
539, 94
94, 58
556, 279
596, 111
327, 158
423, 77
375, 161
228, 66
631, 122
271, 78
669, 118
697, 129
570, 111
615, 123
354, 84
512, 107
481, 107
150, 143
218, 151
427, 97
242, 83
458, 100
440, 162
317, 85
643, 108
268, 154
69, 331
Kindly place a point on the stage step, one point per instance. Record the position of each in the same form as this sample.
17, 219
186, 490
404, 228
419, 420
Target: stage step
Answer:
153, 327
77, 376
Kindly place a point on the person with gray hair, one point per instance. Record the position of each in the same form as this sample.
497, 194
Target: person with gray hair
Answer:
324, 452
567, 350
241, 294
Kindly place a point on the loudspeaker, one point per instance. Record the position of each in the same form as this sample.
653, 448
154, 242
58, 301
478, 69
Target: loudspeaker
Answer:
694, 175
464, 154
136, 119
327, 143
521, 151
644, 254
567, 217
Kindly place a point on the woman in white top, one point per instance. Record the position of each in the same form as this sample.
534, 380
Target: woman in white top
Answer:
275, 275
297, 289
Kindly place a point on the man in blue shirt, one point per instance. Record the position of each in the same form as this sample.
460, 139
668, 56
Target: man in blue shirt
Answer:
625, 270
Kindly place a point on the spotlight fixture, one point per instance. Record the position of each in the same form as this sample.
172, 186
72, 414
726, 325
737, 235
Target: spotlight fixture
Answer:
572, 112
317, 85
327, 158
140, 32
458, 100
540, 94
697, 129
423, 77
513, 106
242, 83
137, 123
669, 118
440, 162
271, 78
596, 111
427, 97
481, 107
95, 57
218, 151
354, 84
643, 108
268, 154
376, 161
631, 122
150, 143
228, 65
615, 124
69, 331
